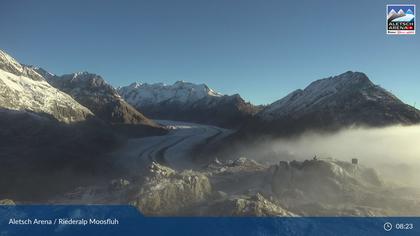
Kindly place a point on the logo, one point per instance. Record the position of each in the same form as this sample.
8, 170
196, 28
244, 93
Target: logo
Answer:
401, 18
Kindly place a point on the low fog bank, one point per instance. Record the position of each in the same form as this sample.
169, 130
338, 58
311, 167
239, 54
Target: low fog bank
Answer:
393, 151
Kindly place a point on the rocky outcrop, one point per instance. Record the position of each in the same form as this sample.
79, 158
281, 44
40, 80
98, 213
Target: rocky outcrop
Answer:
7, 202
326, 187
324, 180
329, 187
255, 205
53, 154
246, 188
167, 192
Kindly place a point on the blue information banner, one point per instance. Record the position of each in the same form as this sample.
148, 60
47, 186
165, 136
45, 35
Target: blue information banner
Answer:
126, 220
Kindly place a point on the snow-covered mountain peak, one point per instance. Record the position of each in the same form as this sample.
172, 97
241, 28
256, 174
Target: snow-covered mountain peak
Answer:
197, 87
185, 101
83, 80
22, 88
317, 92
180, 82
83, 75
140, 94
9, 64
336, 83
133, 85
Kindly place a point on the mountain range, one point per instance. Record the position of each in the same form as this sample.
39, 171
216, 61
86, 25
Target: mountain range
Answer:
62, 128
345, 100
327, 104
185, 101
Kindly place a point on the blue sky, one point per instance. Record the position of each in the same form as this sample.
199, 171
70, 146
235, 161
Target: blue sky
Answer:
260, 49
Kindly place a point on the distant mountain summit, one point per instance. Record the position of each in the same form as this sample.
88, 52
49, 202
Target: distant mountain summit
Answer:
332, 103
185, 101
102, 99
182, 92
23, 89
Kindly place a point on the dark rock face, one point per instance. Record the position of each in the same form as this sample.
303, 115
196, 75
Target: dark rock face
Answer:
333, 103
227, 111
41, 157
101, 98
224, 111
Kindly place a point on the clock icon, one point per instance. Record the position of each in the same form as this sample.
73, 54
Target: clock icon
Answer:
387, 226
